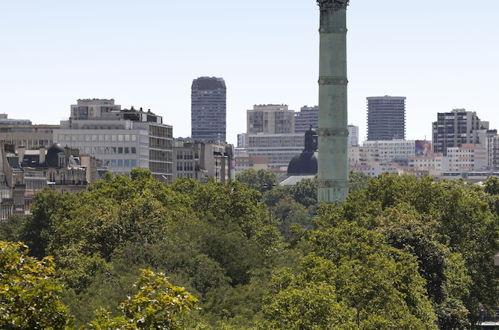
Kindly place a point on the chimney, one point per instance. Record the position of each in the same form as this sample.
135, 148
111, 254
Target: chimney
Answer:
42, 155
20, 153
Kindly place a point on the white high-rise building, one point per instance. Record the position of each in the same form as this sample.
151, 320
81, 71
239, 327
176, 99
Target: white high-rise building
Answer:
353, 135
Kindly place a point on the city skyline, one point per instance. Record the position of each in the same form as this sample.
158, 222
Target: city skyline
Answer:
147, 56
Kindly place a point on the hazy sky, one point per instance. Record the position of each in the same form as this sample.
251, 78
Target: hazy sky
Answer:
440, 54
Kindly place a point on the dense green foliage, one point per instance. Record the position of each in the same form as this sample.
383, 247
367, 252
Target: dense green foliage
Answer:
401, 252
29, 296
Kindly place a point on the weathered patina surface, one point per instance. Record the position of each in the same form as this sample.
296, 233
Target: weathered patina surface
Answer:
333, 116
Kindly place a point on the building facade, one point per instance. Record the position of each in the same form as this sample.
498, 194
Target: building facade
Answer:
278, 149
22, 133
398, 151
208, 109
92, 108
453, 129
270, 119
243, 161
385, 118
123, 140
467, 158
201, 160
25, 172
353, 136
306, 118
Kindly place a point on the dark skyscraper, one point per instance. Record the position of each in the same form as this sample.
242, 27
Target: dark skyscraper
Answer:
385, 118
208, 109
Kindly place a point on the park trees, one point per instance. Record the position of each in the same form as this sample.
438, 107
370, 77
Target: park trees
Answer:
349, 279
29, 295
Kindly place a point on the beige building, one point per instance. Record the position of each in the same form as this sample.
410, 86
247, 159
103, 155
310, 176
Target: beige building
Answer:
270, 119
467, 158
202, 160
21, 132
243, 161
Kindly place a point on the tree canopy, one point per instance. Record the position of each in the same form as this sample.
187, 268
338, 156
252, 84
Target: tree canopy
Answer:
400, 252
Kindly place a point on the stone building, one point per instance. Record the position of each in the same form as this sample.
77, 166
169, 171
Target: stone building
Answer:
270, 119
201, 160
22, 133
25, 172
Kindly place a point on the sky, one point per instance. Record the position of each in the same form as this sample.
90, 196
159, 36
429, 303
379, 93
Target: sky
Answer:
440, 54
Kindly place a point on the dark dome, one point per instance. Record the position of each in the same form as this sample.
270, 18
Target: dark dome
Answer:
52, 157
306, 162
303, 164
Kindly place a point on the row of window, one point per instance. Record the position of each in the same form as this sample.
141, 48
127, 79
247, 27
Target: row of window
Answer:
108, 150
97, 137
188, 166
119, 162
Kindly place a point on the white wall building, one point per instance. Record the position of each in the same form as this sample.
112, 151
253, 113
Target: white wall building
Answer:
277, 148
434, 165
123, 140
390, 150
353, 135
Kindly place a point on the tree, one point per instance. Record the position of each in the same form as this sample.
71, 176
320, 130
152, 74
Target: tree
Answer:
289, 213
29, 295
157, 305
447, 281
350, 278
260, 180
357, 180
464, 220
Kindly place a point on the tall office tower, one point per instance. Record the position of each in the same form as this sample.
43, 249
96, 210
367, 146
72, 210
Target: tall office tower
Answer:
353, 136
208, 109
122, 140
453, 129
92, 108
307, 117
385, 118
270, 119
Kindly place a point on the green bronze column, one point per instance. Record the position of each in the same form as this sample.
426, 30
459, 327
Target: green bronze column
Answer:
333, 115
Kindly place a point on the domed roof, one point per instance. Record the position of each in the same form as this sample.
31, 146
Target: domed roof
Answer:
306, 162
52, 157
303, 164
